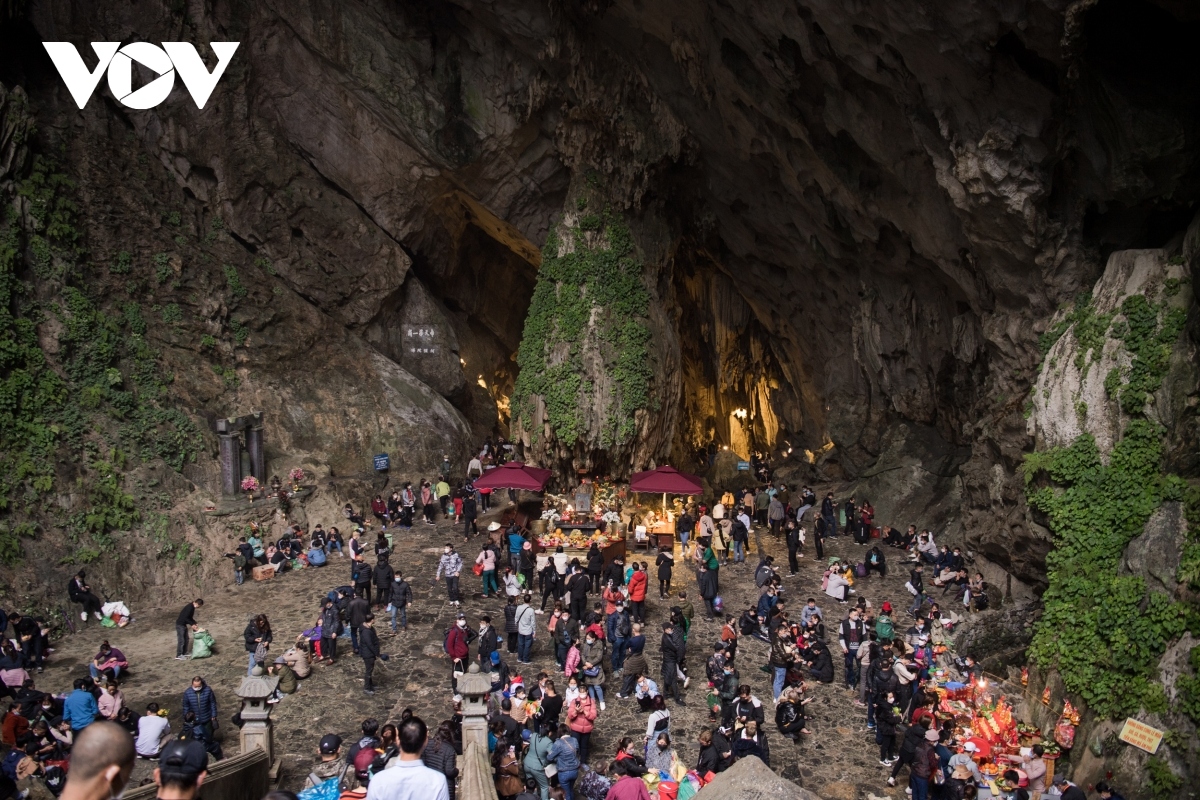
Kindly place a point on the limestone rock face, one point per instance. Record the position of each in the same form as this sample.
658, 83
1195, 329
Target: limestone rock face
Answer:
751, 779
855, 220
1155, 554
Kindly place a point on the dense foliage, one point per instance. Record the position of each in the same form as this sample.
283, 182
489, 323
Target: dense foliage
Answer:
1103, 632
101, 396
592, 295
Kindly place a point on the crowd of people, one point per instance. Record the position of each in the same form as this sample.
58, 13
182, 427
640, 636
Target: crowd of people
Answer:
596, 627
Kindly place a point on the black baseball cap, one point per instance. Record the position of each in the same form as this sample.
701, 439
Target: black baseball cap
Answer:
185, 758
330, 743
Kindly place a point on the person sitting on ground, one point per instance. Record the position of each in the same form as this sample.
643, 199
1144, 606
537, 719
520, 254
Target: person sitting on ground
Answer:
78, 591
659, 720
660, 757
154, 731
789, 714
288, 681
108, 662
752, 742
111, 700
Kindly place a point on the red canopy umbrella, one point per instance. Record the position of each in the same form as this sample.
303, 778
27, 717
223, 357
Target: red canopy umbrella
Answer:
514, 475
666, 480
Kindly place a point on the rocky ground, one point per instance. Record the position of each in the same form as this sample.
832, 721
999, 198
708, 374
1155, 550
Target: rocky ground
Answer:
838, 761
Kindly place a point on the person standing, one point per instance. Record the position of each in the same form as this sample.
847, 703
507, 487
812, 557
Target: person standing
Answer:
451, 564
672, 658
775, 514
368, 648
183, 623
637, 593
470, 510
794, 532
331, 628
708, 590
665, 563
457, 646
401, 598
382, 577
852, 635
526, 626
356, 613
408, 776
200, 699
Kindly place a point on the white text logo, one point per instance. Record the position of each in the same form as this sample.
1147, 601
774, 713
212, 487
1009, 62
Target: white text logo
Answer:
164, 61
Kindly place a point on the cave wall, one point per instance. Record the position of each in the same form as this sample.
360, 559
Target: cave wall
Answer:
857, 218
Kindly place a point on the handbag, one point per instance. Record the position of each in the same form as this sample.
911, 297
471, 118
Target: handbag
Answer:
591, 672
477, 569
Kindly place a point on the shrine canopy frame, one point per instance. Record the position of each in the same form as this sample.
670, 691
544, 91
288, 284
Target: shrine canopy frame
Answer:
665, 480
514, 475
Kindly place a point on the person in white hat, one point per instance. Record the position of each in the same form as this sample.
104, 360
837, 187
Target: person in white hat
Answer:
964, 759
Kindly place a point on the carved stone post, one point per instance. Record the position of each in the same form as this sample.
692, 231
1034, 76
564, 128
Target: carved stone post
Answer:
257, 730
474, 686
256, 446
230, 457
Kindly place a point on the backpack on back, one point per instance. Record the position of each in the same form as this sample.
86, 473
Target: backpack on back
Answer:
885, 629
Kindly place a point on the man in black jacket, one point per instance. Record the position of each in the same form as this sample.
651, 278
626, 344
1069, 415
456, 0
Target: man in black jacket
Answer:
578, 585
78, 591
382, 576
331, 628
672, 657
356, 614
487, 642
793, 547
185, 621
368, 648
614, 573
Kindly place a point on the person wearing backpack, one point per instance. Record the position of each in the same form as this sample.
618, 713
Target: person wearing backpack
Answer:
885, 628
331, 766
741, 537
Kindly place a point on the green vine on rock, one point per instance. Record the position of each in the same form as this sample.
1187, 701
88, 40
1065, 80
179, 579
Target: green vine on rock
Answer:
103, 385
588, 299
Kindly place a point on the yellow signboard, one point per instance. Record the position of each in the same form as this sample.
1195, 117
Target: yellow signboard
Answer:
1141, 735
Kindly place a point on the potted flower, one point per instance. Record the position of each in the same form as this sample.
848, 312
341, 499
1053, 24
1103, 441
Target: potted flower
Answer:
250, 486
296, 475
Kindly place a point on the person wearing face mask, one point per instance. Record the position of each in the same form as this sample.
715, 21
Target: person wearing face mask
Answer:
458, 645
451, 564
101, 763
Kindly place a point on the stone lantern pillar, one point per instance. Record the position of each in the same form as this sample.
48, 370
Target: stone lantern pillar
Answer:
257, 731
474, 687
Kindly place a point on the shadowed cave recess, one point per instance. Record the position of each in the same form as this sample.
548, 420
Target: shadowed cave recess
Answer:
842, 235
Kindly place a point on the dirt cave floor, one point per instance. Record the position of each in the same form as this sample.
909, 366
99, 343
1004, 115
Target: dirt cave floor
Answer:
840, 761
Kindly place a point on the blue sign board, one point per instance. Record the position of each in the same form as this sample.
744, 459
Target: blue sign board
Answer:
743, 466
382, 462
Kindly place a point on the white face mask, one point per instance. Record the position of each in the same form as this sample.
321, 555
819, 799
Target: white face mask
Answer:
462, 623
446, 551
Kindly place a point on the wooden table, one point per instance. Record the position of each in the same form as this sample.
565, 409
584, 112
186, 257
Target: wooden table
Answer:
662, 535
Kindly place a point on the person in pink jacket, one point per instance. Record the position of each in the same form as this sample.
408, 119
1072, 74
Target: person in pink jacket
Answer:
628, 787
574, 660
581, 719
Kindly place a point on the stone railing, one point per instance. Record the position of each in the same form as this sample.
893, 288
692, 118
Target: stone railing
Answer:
477, 783
242, 777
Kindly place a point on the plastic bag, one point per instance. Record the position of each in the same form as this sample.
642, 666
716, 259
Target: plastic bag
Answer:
1064, 733
202, 643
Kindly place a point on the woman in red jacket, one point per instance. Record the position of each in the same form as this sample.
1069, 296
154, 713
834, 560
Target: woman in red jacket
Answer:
637, 592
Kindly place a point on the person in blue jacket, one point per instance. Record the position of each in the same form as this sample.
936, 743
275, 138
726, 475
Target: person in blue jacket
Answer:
80, 708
